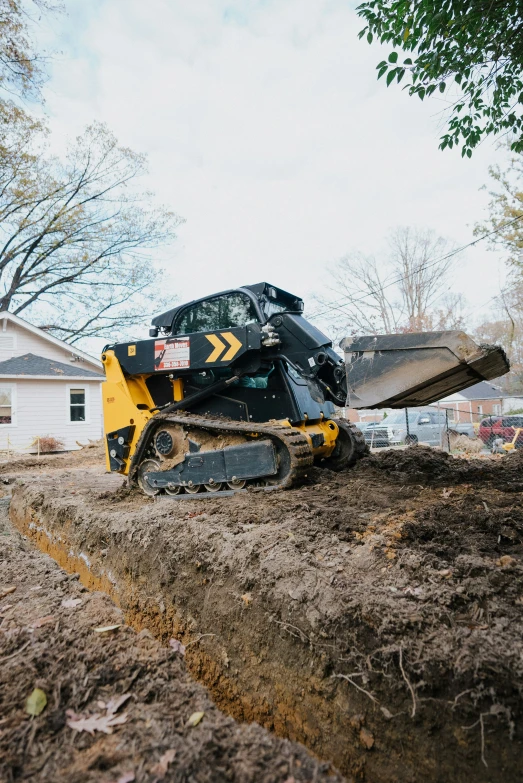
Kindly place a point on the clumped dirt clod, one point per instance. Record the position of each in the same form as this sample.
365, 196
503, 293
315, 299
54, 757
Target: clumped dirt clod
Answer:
375, 615
166, 727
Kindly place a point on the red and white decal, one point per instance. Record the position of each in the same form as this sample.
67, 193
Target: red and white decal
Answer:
171, 354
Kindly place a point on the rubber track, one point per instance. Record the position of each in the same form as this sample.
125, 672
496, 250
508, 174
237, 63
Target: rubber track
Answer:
361, 450
295, 443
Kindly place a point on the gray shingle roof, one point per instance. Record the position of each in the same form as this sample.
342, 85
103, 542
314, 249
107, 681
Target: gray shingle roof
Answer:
482, 391
32, 365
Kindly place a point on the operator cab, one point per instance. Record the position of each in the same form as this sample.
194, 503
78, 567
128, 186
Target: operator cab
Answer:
227, 310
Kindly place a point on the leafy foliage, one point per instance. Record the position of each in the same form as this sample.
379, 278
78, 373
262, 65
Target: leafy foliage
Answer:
471, 50
505, 225
506, 212
21, 66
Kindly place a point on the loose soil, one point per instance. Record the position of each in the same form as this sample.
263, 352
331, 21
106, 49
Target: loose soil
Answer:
374, 615
48, 641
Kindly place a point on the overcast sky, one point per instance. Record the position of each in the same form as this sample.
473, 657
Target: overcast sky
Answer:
267, 131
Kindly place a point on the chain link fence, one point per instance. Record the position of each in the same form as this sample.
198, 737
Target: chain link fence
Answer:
436, 426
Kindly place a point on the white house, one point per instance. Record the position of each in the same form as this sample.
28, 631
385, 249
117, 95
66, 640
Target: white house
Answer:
47, 388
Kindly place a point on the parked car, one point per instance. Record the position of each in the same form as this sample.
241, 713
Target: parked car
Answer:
426, 425
499, 428
376, 434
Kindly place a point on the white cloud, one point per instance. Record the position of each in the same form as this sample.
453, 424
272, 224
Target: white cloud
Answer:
266, 128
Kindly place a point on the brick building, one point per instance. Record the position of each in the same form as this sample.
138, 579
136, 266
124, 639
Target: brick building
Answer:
476, 402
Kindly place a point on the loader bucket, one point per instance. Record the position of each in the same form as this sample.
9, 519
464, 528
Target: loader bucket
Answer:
412, 370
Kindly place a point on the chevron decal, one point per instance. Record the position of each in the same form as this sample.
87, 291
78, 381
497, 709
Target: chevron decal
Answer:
234, 344
219, 347
231, 346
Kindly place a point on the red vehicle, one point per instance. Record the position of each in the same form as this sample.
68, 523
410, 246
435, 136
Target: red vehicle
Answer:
503, 427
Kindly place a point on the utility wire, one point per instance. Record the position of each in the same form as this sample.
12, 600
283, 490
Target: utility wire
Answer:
349, 299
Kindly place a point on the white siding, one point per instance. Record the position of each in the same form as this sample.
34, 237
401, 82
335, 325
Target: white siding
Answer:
42, 408
17, 341
512, 403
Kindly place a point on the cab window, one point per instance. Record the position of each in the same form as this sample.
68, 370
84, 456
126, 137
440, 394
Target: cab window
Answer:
221, 312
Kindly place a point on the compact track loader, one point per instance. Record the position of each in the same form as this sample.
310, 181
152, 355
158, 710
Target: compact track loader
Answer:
239, 389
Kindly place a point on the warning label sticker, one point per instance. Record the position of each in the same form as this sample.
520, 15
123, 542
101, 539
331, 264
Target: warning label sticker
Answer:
171, 354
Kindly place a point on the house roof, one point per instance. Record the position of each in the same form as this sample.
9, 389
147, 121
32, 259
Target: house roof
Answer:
15, 319
481, 391
31, 366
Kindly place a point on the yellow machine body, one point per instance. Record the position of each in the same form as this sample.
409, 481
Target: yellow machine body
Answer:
127, 402
512, 444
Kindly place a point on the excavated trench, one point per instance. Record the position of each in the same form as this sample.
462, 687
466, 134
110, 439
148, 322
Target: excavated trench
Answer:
374, 616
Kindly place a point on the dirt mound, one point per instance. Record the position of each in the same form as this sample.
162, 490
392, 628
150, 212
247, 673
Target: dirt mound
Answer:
374, 615
421, 464
92, 453
48, 641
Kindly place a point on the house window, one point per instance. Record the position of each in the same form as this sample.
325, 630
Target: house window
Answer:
480, 410
6, 404
77, 404
496, 409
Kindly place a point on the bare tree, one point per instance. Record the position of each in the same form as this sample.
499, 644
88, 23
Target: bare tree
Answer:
447, 312
505, 328
74, 235
365, 297
420, 262
505, 221
406, 291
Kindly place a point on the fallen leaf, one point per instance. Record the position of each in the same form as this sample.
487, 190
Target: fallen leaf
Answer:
127, 777
247, 599
506, 561
70, 603
366, 738
6, 607
356, 721
446, 493
35, 703
177, 646
114, 704
387, 713
161, 768
414, 591
43, 621
7, 591
97, 722
92, 723
195, 718
38, 587
106, 628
